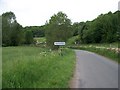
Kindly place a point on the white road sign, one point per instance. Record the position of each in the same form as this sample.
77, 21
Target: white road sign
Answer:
59, 43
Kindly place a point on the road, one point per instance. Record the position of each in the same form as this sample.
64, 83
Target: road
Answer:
94, 71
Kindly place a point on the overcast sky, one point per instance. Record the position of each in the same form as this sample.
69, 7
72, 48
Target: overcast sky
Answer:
36, 12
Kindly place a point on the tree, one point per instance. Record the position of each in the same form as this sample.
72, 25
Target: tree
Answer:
28, 37
75, 27
0, 30
103, 29
58, 29
16, 35
11, 30
38, 31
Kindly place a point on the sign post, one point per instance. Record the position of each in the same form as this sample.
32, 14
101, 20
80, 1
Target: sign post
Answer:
59, 44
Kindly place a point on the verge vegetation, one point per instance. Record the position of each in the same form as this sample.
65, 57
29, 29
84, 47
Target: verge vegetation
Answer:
109, 50
33, 67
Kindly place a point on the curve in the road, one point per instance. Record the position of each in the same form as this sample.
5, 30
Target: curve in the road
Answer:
94, 71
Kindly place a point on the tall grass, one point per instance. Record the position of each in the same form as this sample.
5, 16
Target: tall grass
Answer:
34, 67
104, 52
110, 54
0, 67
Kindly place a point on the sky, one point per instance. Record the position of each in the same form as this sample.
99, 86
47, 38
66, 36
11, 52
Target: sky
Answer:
37, 12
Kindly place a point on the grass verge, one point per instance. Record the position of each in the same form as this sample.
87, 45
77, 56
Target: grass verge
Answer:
104, 52
34, 67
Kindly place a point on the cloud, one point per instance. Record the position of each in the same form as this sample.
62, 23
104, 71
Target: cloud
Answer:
36, 12
119, 5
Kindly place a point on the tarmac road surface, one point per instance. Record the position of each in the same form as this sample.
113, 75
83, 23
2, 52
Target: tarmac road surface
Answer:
94, 71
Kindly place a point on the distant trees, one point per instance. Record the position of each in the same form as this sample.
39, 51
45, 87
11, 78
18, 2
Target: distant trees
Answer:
12, 31
75, 28
13, 34
0, 30
16, 35
103, 29
58, 29
28, 37
38, 31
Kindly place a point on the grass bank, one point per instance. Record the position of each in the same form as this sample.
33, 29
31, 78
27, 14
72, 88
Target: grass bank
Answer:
113, 55
34, 67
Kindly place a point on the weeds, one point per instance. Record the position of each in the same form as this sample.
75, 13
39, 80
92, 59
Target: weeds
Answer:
34, 67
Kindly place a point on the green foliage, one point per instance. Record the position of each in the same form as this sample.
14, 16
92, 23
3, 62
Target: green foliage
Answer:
112, 54
58, 29
73, 40
11, 30
16, 35
41, 39
38, 31
77, 28
13, 33
103, 29
0, 30
28, 37
34, 67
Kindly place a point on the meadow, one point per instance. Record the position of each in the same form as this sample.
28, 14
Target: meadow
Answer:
35, 67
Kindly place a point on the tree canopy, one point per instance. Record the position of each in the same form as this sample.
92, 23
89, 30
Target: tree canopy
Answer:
103, 29
58, 29
12, 31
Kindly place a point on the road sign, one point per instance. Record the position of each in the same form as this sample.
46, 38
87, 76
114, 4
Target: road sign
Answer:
59, 43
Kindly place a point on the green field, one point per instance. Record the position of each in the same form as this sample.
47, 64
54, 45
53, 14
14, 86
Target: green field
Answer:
41, 39
35, 67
